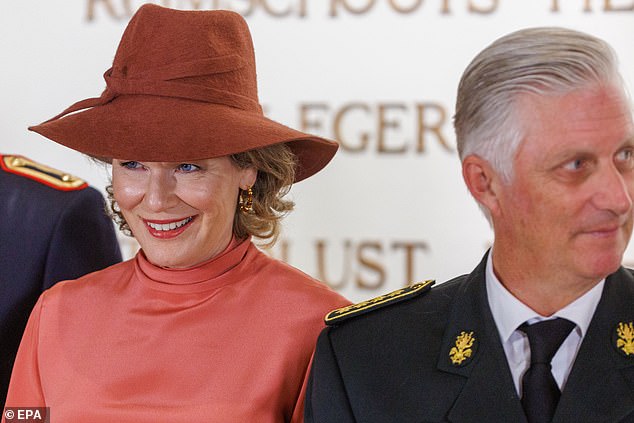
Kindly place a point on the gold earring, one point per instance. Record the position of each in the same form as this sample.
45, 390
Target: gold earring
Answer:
246, 200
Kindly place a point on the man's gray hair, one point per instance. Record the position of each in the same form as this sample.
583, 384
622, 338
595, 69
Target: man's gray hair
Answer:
542, 61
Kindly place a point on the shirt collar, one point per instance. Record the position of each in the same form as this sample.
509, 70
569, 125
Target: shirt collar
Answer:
509, 312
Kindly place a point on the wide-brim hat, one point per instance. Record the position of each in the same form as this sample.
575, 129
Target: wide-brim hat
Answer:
182, 87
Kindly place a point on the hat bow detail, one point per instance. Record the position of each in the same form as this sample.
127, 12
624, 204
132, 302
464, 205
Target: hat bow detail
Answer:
164, 82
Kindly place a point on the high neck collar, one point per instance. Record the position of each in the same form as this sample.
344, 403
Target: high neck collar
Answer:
206, 276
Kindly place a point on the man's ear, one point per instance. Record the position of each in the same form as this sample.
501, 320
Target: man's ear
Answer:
482, 181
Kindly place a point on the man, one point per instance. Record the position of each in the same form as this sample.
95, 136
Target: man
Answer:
543, 329
54, 227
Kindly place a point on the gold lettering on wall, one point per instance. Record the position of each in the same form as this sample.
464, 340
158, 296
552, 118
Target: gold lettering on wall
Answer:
308, 124
290, 10
389, 128
338, 125
180, 4
384, 125
243, 7
410, 248
365, 6
369, 262
108, 7
623, 6
364, 264
280, 9
322, 272
555, 6
476, 7
425, 126
283, 247
398, 7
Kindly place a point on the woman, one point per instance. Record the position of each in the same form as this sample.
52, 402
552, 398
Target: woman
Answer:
200, 325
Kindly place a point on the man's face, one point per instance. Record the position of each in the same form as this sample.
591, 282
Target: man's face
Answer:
568, 208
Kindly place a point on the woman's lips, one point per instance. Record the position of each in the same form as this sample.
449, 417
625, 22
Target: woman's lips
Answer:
166, 229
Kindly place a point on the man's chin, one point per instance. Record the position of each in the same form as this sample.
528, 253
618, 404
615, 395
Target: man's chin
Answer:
600, 267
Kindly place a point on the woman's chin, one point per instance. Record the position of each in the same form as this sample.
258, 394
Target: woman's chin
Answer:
167, 260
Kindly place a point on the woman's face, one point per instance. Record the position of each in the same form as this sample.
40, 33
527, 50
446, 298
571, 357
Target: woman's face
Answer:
180, 213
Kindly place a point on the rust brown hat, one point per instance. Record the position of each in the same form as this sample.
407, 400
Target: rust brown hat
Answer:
182, 87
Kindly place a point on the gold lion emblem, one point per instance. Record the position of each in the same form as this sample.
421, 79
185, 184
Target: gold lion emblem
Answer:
462, 350
625, 331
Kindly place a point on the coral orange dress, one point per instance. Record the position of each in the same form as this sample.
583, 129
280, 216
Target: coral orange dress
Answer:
227, 341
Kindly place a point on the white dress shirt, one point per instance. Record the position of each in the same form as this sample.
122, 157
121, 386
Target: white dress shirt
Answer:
509, 313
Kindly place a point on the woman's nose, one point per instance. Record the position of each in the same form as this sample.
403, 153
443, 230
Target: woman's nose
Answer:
160, 193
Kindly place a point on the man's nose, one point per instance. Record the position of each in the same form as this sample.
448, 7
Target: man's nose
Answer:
613, 191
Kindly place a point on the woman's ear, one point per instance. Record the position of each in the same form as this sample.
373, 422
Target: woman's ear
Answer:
482, 181
248, 177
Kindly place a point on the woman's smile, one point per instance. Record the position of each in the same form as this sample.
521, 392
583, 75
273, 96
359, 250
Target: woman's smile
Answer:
166, 229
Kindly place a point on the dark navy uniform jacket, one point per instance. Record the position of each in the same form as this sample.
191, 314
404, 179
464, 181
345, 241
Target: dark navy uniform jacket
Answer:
53, 227
395, 362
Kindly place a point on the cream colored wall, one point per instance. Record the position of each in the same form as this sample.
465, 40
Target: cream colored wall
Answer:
380, 75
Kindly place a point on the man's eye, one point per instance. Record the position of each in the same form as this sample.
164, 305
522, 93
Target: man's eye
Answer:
625, 155
188, 167
574, 165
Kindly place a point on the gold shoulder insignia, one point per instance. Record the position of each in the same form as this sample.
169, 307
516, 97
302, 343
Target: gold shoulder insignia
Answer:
625, 339
38, 172
345, 313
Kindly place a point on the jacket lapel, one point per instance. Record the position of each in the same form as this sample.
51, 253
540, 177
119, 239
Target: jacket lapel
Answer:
601, 384
488, 394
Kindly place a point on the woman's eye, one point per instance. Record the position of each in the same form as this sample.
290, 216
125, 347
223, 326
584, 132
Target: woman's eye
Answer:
188, 167
131, 165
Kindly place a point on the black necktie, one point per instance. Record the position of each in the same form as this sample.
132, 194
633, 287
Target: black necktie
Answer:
540, 393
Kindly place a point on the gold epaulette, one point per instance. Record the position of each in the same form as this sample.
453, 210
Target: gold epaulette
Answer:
345, 313
38, 172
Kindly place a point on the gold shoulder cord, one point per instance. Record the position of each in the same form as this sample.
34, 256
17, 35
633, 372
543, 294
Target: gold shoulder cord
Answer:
378, 302
47, 175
